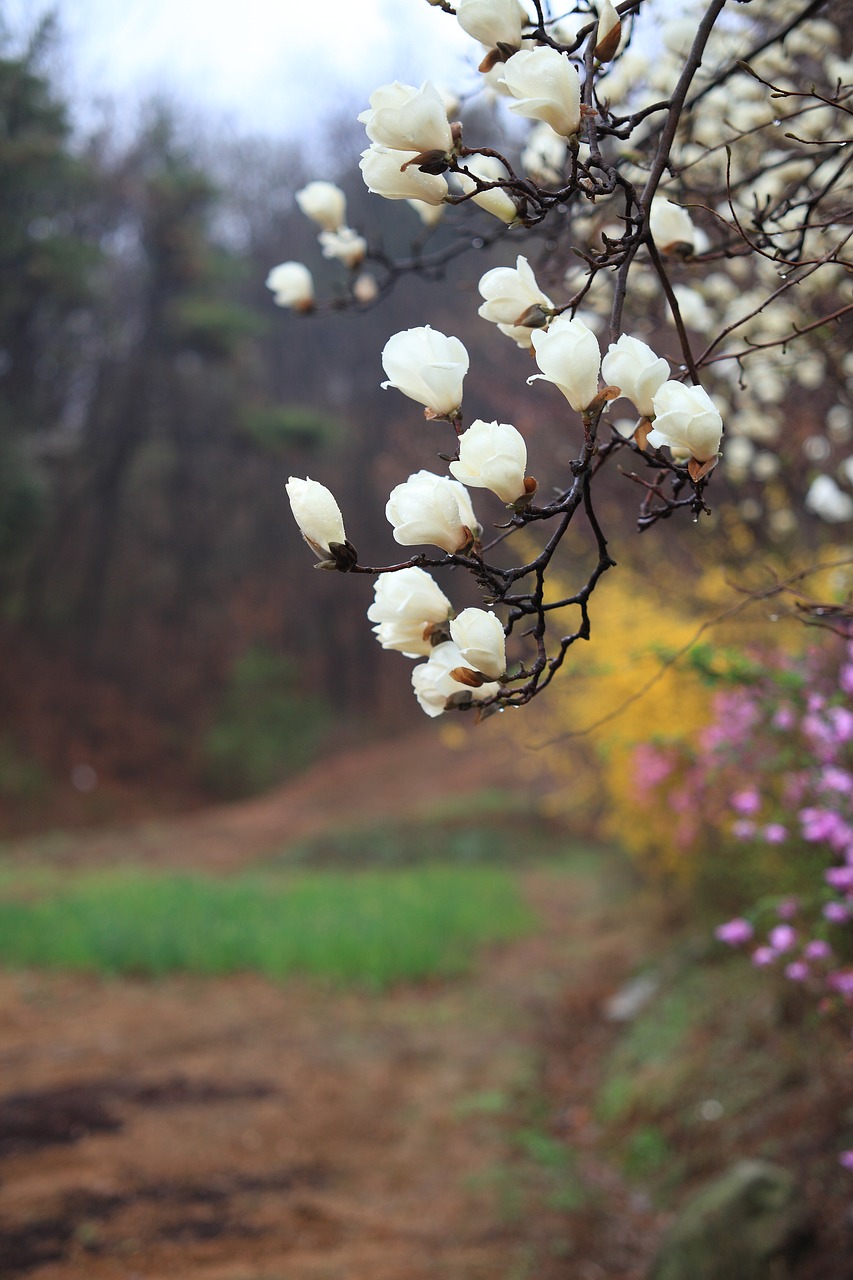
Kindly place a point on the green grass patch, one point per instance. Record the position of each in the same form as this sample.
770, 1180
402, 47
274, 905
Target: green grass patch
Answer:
494, 833
374, 928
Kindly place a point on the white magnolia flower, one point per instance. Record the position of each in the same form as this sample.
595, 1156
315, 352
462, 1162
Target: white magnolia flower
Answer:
292, 286
495, 201
428, 508
387, 173
511, 295
427, 366
433, 684
492, 455
634, 368
344, 244
323, 203
546, 87
671, 227
568, 355
429, 214
407, 605
408, 119
686, 419
317, 514
544, 156
481, 640
492, 22
828, 500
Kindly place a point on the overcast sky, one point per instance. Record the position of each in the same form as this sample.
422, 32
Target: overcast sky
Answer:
265, 65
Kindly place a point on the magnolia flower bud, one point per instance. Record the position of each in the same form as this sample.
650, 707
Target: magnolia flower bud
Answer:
323, 203
481, 640
495, 201
434, 685
512, 297
671, 227
407, 606
828, 500
344, 244
546, 87
634, 368
432, 509
365, 289
608, 33
390, 174
318, 516
428, 367
408, 119
492, 455
292, 286
686, 418
492, 22
568, 355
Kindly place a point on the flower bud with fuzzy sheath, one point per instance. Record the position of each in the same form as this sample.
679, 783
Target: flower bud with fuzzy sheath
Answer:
432, 509
323, 203
671, 227
408, 608
686, 418
546, 87
634, 368
318, 516
481, 640
608, 33
427, 366
408, 119
492, 455
292, 286
392, 175
434, 684
511, 296
568, 355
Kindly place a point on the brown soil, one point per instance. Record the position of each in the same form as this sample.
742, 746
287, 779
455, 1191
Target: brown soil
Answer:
192, 1129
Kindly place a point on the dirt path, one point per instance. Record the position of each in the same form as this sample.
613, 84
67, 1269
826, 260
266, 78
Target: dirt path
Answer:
235, 1130
409, 775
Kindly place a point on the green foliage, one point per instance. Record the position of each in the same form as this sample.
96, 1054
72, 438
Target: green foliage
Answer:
266, 726
374, 929
279, 429
518, 836
22, 497
213, 327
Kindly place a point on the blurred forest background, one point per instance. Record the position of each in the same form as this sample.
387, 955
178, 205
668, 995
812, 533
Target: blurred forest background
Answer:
163, 633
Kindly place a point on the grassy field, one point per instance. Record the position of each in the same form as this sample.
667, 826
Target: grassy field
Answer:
369, 927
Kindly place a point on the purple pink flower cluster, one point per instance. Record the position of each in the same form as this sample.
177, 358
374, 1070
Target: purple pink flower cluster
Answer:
775, 769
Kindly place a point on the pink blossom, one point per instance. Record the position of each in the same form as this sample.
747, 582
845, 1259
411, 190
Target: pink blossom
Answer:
782, 937
840, 878
836, 913
743, 829
841, 720
784, 718
834, 779
774, 833
842, 982
746, 801
797, 971
788, 908
846, 1160
734, 932
845, 678
817, 949
762, 956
